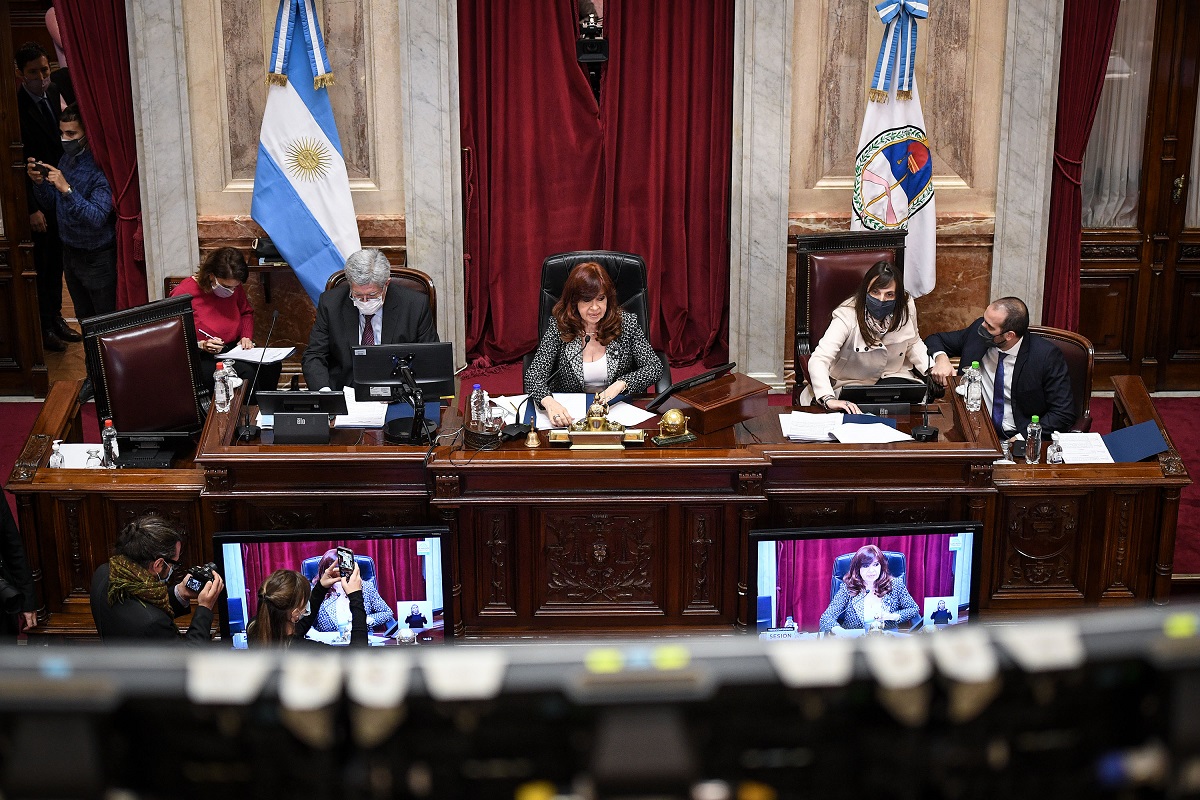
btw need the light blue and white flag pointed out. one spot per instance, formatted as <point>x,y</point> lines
<point>301,192</point>
<point>893,172</point>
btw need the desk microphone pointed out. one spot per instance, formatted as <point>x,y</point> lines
<point>922,432</point>
<point>246,430</point>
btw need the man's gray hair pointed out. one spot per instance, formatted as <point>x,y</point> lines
<point>368,266</point>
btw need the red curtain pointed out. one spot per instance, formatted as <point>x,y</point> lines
<point>804,569</point>
<point>647,171</point>
<point>667,118</point>
<point>398,574</point>
<point>1088,27</point>
<point>95,35</point>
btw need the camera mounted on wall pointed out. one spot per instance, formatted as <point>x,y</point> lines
<point>591,48</point>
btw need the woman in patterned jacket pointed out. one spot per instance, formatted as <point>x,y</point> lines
<point>590,345</point>
<point>868,592</point>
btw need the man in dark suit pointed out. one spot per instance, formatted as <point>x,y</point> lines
<point>131,599</point>
<point>362,311</point>
<point>38,106</point>
<point>1027,373</point>
<point>17,604</point>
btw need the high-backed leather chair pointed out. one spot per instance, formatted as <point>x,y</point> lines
<point>1081,360</point>
<point>628,273</point>
<point>143,367</point>
<point>897,568</point>
<point>366,567</point>
<point>829,267</point>
<point>401,276</point>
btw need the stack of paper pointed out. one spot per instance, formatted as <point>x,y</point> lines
<point>1084,448</point>
<point>800,426</point>
<point>872,433</point>
<point>268,355</point>
<point>368,414</point>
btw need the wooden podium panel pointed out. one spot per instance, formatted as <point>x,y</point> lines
<point>719,404</point>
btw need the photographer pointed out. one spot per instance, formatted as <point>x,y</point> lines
<point>131,599</point>
<point>17,604</point>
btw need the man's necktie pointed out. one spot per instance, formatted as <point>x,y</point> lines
<point>368,336</point>
<point>48,113</point>
<point>998,397</point>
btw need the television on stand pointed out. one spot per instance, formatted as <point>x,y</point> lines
<point>419,375</point>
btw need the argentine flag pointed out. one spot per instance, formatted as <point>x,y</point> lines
<point>301,192</point>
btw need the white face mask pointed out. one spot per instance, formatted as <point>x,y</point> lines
<point>368,306</point>
<point>221,291</point>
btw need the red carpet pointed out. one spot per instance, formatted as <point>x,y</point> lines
<point>1179,414</point>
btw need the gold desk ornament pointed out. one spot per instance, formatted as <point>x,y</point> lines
<point>597,432</point>
<point>673,429</point>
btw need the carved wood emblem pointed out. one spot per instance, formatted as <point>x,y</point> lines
<point>1171,463</point>
<point>31,456</point>
<point>702,556</point>
<point>749,483</point>
<point>216,480</point>
<point>1039,535</point>
<point>447,486</point>
<point>599,557</point>
<point>498,557</point>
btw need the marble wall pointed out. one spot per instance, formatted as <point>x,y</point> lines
<point>960,70</point>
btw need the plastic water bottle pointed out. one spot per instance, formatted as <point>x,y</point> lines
<point>221,388</point>
<point>1054,451</point>
<point>974,387</point>
<point>56,457</point>
<point>1033,441</point>
<point>479,408</point>
<point>108,441</point>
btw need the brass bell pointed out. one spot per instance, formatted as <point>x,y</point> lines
<point>532,439</point>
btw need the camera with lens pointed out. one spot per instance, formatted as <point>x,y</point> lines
<point>197,577</point>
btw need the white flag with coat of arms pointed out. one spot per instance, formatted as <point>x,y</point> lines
<point>893,172</point>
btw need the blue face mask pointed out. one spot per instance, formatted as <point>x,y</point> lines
<point>880,308</point>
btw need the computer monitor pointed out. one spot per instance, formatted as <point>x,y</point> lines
<point>403,567</point>
<point>798,573</point>
<point>298,402</point>
<point>883,393</point>
<point>377,370</point>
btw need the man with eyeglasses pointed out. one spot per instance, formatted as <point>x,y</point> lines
<point>132,599</point>
<point>1023,374</point>
<point>362,311</point>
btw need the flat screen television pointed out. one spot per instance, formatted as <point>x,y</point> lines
<point>377,370</point>
<point>404,584</point>
<point>930,576</point>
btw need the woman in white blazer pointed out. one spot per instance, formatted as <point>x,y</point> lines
<point>872,337</point>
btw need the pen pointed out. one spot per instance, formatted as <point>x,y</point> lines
<point>205,333</point>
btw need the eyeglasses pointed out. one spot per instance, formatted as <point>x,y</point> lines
<point>366,298</point>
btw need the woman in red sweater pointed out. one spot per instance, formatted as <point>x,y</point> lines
<point>223,315</point>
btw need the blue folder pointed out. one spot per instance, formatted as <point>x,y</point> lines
<point>433,411</point>
<point>867,419</point>
<point>1135,443</point>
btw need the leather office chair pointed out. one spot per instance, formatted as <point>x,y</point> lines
<point>401,276</point>
<point>829,267</point>
<point>143,367</point>
<point>628,273</point>
<point>897,568</point>
<point>366,566</point>
<point>1081,361</point>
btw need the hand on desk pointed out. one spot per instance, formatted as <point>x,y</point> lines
<point>941,369</point>
<point>842,405</point>
<point>247,343</point>
<point>559,417</point>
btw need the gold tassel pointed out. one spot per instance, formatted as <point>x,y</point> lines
<point>904,94</point>
<point>877,95</point>
<point>323,81</point>
<point>276,78</point>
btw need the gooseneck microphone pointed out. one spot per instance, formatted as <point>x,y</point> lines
<point>246,430</point>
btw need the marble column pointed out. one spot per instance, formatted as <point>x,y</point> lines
<point>1027,120</point>
<point>158,74</point>
<point>429,115</point>
<point>762,122</point>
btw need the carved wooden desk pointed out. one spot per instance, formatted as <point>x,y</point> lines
<point>554,540</point>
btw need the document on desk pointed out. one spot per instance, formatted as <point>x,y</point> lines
<point>574,402</point>
<point>369,414</point>
<point>507,404</point>
<point>874,433</point>
<point>269,355</point>
<point>1084,448</point>
<point>803,427</point>
<point>629,415</point>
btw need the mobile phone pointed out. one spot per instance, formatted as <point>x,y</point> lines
<point>345,558</point>
<point>44,169</point>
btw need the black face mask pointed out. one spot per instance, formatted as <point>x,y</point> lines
<point>986,336</point>
<point>880,308</point>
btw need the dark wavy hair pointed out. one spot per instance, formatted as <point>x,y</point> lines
<point>881,275</point>
<point>227,263</point>
<point>282,592</point>
<point>586,282</point>
<point>868,555</point>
